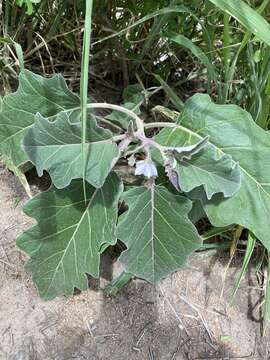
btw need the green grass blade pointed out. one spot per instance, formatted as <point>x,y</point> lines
<point>249,250</point>
<point>164,11</point>
<point>196,51</point>
<point>174,98</point>
<point>159,23</point>
<point>216,231</point>
<point>242,46</point>
<point>263,121</point>
<point>18,172</point>
<point>84,76</point>
<point>117,284</point>
<point>19,54</point>
<point>226,55</point>
<point>266,311</point>
<point>227,42</point>
<point>246,16</point>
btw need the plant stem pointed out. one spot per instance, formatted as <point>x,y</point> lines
<point>84,78</point>
<point>118,138</point>
<point>160,124</point>
<point>7,13</point>
<point>266,311</point>
<point>139,122</point>
<point>118,283</point>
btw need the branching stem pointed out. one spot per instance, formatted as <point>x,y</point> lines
<point>160,124</point>
<point>139,122</point>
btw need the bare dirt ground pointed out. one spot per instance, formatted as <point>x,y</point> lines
<point>183,317</point>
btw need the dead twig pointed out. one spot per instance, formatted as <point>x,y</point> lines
<point>181,324</point>
<point>201,317</point>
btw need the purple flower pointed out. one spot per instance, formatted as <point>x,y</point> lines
<point>146,167</point>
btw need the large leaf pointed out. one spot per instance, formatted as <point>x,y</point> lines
<point>66,242</point>
<point>232,131</point>
<point>157,232</point>
<point>34,94</point>
<point>57,147</point>
<point>212,169</point>
<point>248,17</point>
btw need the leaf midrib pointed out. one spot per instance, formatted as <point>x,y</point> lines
<point>154,191</point>
<point>71,239</point>
<point>105,141</point>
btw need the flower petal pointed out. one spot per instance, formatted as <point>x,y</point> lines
<point>146,168</point>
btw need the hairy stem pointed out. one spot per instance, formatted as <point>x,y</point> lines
<point>160,124</point>
<point>139,122</point>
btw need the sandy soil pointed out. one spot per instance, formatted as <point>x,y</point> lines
<point>183,317</point>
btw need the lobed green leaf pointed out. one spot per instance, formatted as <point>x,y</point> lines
<point>233,132</point>
<point>70,235</point>
<point>210,168</point>
<point>157,232</point>
<point>18,110</point>
<point>57,148</point>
